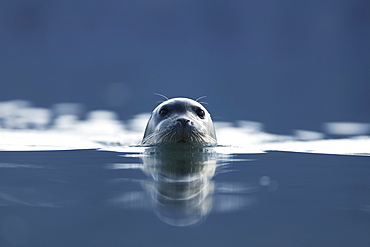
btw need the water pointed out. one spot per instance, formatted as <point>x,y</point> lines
<point>68,181</point>
<point>99,198</point>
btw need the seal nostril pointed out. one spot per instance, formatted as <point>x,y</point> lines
<point>183,121</point>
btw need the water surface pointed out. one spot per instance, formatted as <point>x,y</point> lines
<point>66,181</point>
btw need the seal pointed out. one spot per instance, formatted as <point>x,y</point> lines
<point>180,120</point>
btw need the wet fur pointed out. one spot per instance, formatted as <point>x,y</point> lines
<point>168,130</point>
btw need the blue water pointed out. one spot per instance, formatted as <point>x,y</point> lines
<point>105,198</point>
<point>72,181</point>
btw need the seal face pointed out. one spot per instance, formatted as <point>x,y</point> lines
<point>179,120</point>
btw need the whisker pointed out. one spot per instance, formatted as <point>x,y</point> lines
<point>201,97</point>
<point>162,96</point>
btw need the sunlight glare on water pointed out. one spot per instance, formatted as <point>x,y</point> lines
<point>64,126</point>
<point>347,128</point>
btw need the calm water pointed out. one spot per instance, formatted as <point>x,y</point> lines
<point>100,198</point>
<point>65,181</point>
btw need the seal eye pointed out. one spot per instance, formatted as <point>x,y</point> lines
<point>200,113</point>
<point>163,111</point>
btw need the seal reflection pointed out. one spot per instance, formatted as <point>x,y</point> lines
<point>182,185</point>
<point>180,189</point>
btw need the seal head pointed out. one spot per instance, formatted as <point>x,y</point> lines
<point>179,120</point>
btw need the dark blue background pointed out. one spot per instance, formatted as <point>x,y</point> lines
<point>288,64</point>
